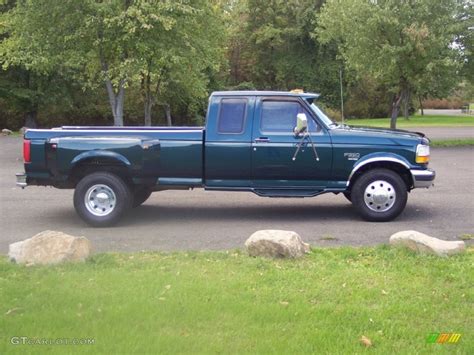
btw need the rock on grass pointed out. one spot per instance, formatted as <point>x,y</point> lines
<point>49,247</point>
<point>424,244</point>
<point>276,244</point>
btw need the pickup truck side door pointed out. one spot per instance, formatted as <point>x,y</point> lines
<point>228,141</point>
<point>274,145</point>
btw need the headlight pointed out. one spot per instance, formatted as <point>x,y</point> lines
<point>422,154</point>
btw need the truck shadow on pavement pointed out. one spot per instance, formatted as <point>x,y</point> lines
<point>153,214</point>
<point>156,215</point>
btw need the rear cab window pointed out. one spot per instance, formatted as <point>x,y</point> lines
<point>232,115</point>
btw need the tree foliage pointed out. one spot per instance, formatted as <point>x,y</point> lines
<point>271,46</point>
<point>399,43</point>
<point>115,42</point>
<point>155,61</point>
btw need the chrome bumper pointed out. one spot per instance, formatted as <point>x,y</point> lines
<point>21,180</point>
<point>423,178</point>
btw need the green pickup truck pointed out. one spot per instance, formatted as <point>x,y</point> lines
<point>275,144</point>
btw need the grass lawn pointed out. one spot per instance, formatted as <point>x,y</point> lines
<point>452,142</point>
<point>227,302</point>
<point>416,121</point>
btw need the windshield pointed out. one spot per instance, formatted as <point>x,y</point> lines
<point>322,116</point>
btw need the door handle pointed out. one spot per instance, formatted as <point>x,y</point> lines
<point>262,140</point>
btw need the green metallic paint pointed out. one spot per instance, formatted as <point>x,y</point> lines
<point>197,157</point>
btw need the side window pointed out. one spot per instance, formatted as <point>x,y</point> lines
<point>232,114</point>
<point>280,116</point>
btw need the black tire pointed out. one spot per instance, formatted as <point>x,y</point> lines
<point>348,196</point>
<point>140,196</point>
<point>110,192</point>
<point>389,197</point>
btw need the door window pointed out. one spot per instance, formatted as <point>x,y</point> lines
<point>280,116</point>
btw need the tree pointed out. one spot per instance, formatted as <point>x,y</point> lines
<point>22,86</point>
<point>25,91</point>
<point>116,43</point>
<point>177,49</point>
<point>85,39</point>
<point>465,38</point>
<point>271,46</point>
<point>400,43</point>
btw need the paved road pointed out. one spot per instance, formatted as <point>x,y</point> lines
<point>197,220</point>
<point>445,132</point>
<point>444,112</point>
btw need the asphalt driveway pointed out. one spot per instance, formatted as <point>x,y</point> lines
<point>199,220</point>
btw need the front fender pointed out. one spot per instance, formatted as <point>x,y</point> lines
<point>379,157</point>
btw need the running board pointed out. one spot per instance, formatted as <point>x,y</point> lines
<point>286,193</point>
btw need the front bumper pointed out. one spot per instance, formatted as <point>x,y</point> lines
<point>21,180</point>
<point>423,178</point>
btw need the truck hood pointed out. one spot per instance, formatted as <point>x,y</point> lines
<point>375,136</point>
<point>384,131</point>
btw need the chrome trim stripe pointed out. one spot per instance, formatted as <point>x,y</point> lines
<point>76,138</point>
<point>372,160</point>
<point>115,131</point>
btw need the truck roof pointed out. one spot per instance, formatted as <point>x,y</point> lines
<point>305,95</point>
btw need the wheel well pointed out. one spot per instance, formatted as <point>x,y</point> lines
<point>395,167</point>
<point>93,165</point>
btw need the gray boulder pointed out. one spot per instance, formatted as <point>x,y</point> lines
<point>6,132</point>
<point>424,244</point>
<point>276,244</point>
<point>49,247</point>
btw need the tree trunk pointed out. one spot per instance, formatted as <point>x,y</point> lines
<point>116,101</point>
<point>147,96</point>
<point>168,114</point>
<point>30,119</point>
<point>406,104</point>
<point>148,107</point>
<point>421,105</point>
<point>395,110</point>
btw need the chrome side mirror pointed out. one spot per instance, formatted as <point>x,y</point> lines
<point>301,124</point>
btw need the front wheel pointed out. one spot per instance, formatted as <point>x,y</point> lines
<point>101,198</point>
<point>379,195</point>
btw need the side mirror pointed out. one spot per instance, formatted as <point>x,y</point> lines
<point>301,124</point>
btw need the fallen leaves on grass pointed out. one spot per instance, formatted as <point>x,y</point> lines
<point>13,310</point>
<point>365,341</point>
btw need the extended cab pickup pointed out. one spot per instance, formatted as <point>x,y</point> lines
<point>275,144</point>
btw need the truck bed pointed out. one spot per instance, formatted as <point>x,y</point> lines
<point>172,155</point>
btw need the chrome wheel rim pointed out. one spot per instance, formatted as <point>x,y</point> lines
<point>100,200</point>
<point>380,196</point>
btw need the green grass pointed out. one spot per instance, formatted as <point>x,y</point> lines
<point>452,142</point>
<point>227,302</point>
<point>416,121</point>
<point>466,236</point>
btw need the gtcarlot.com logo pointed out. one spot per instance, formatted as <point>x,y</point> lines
<point>443,338</point>
<point>22,340</point>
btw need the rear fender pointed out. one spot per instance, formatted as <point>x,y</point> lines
<point>100,155</point>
